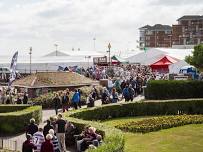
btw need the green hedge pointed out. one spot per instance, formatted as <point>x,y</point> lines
<point>158,123</point>
<point>172,89</point>
<point>15,122</point>
<point>12,108</point>
<point>150,108</point>
<point>113,138</point>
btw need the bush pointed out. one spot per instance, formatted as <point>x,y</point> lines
<point>173,107</point>
<point>172,89</point>
<point>15,122</point>
<point>158,123</point>
<point>46,100</point>
<point>12,108</point>
<point>113,138</point>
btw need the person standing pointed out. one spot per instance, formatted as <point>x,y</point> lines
<point>131,92</point>
<point>47,127</point>
<point>28,146</point>
<point>38,139</point>
<point>65,101</point>
<point>126,94</point>
<point>56,101</point>
<point>60,131</point>
<point>114,95</point>
<point>76,99</point>
<point>79,103</point>
<point>25,98</point>
<point>32,127</point>
<point>54,141</point>
<point>47,146</point>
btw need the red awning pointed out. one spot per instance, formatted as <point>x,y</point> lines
<point>162,64</point>
<point>166,60</point>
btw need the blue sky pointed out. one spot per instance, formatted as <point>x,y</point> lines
<point>74,23</point>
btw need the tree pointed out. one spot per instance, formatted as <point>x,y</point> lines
<point>197,57</point>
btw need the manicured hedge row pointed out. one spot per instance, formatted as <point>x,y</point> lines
<point>158,123</point>
<point>15,122</point>
<point>113,138</point>
<point>12,108</point>
<point>150,108</point>
<point>171,89</point>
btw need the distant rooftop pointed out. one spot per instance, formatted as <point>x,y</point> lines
<point>157,27</point>
<point>191,17</point>
<point>57,53</point>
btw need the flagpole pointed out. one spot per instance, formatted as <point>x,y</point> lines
<point>30,59</point>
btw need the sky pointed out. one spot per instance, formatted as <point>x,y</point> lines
<point>75,23</point>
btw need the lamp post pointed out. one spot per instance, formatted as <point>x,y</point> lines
<point>109,51</point>
<point>94,39</point>
<point>30,53</point>
<point>56,45</point>
<point>88,57</point>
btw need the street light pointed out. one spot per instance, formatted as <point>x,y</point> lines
<point>109,51</point>
<point>88,57</point>
<point>94,39</point>
<point>30,53</point>
<point>56,45</point>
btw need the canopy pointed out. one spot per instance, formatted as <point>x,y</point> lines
<point>175,68</point>
<point>116,59</point>
<point>162,65</point>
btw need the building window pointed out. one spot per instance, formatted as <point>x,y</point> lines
<point>167,32</point>
<point>147,37</point>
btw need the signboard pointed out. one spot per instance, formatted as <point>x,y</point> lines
<point>100,60</point>
<point>181,77</point>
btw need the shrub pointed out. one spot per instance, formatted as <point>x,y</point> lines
<point>15,122</point>
<point>158,123</point>
<point>173,107</point>
<point>172,89</point>
<point>12,108</point>
<point>113,138</point>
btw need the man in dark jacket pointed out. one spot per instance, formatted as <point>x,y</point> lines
<point>28,146</point>
<point>32,127</point>
<point>47,127</point>
<point>56,102</point>
<point>25,98</point>
<point>65,101</point>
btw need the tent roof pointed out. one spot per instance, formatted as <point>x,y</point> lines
<point>166,60</point>
<point>175,68</point>
<point>52,79</point>
<point>56,53</point>
<point>119,59</point>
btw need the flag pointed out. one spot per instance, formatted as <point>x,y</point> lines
<point>13,68</point>
<point>145,49</point>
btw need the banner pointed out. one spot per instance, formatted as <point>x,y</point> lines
<point>13,68</point>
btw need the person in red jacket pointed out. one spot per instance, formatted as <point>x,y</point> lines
<point>28,146</point>
<point>47,146</point>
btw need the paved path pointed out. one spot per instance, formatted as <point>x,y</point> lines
<point>46,114</point>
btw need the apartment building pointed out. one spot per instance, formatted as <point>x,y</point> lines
<point>155,36</point>
<point>188,31</point>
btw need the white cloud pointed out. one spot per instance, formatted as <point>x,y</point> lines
<point>74,23</point>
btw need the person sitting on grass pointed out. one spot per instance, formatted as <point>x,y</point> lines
<point>28,146</point>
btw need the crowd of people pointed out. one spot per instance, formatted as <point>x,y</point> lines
<point>8,96</point>
<point>53,137</point>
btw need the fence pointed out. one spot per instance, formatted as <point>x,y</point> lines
<point>9,144</point>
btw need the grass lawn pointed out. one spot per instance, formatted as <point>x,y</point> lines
<point>188,138</point>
